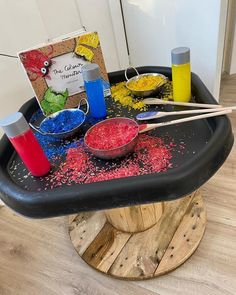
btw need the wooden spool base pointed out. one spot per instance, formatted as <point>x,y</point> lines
<point>141,255</point>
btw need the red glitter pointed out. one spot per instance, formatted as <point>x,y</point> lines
<point>111,134</point>
<point>151,155</point>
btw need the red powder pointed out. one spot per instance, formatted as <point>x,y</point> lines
<point>111,134</point>
<point>151,155</point>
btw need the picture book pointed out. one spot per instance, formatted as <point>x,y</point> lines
<point>54,70</point>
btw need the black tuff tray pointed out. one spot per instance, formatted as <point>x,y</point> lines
<point>208,143</point>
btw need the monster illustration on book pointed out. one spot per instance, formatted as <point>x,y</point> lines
<point>36,63</point>
<point>91,40</point>
<point>54,101</point>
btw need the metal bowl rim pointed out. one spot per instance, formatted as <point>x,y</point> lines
<point>110,119</point>
<point>143,75</point>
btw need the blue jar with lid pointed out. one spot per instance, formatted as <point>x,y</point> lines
<point>94,90</point>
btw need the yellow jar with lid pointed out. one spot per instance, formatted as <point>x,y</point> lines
<point>181,74</point>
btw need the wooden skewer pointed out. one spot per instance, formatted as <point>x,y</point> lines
<point>188,104</point>
<point>147,127</point>
<point>154,115</point>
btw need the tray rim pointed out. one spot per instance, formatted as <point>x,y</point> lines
<point>84,197</point>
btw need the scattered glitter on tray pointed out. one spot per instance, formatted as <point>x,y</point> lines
<point>151,155</point>
<point>166,91</point>
<point>122,96</point>
<point>72,164</point>
<point>53,147</point>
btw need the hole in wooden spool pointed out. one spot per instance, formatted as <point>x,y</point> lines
<point>187,240</point>
<point>126,258</point>
<point>196,203</point>
<point>71,227</point>
<point>112,253</point>
<point>194,227</point>
<point>184,235</point>
<point>192,215</point>
<point>172,247</point>
<point>84,231</point>
<point>171,255</point>
<point>121,265</point>
<point>81,238</point>
<point>198,215</point>
<point>156,251</point>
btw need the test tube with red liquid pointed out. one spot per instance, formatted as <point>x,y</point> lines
<point>25,143</point>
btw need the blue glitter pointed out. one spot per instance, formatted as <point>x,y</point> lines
<point>63,122</point>
<point>54,147</point>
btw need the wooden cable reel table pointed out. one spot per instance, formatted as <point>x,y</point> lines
<point>140,242</point>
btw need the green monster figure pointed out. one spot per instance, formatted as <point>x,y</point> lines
<point>54,101</point>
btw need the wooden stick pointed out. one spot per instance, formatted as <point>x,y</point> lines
<point>200,111</point>
<point>147,127</point>
<point>187,112</point>
<point>188,104</point>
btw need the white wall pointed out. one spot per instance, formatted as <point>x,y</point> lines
<point>20,27</point>
<point>154,27</point>
<point>26,23</point>
<point>95,15</point>
<point>59,16</point>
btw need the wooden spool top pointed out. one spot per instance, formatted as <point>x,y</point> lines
<point>135,256</point>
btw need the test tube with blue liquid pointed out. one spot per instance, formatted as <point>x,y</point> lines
<point>94,90</point>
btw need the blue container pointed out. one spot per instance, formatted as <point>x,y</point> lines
<point>94,90</point>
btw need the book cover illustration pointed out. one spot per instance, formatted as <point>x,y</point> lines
<point>55,74</point>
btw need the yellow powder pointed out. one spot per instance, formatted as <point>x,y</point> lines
<point>121,94</point>
<point>145,83</point>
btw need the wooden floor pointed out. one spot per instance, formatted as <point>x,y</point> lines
<point>37,257</point>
